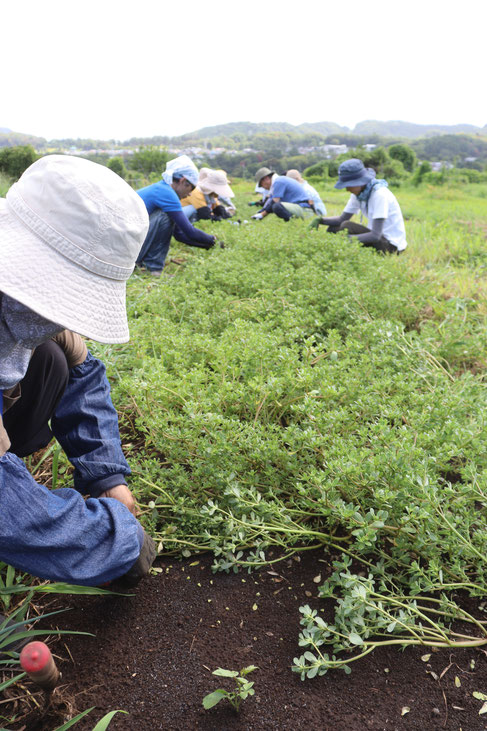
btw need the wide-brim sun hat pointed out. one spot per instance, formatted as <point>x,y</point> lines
<point>262,173</point>
<point>353,172</point>
<point>216,182</point>
<point>203,174</point>
<point>70,232</point>
<point>295,175</point>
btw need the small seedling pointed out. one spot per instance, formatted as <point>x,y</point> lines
<point>242,690</point>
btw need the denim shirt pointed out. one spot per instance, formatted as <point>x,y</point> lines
<point>85,424</point>
<point>56,534</point>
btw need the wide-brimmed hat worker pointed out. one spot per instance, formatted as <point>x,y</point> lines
<point>70,231</point>
<point>211,199</point>
<point>163,203</point>
<point>371,197</point>
<point>313,195</point>
<point>287,197</point>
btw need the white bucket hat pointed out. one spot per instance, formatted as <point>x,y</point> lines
<point>216,182</point>
<point>70,232</point>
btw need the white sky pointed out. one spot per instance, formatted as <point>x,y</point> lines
<point>116,69</point>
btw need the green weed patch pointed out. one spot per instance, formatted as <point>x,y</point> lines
<point>294,391</point>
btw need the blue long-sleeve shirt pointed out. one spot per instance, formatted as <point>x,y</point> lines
<point>161,195</point>
<point>57,534</point>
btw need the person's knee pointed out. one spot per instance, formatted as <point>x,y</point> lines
<point>281,211</point>
<point>49,357</point>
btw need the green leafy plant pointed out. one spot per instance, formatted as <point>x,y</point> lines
<point>102,724</point>
<point>242,690</point>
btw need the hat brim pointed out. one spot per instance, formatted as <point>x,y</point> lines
<point>367,175</point>
<point>219,189</point>
<point>50,284</point>
<point>266,175</point>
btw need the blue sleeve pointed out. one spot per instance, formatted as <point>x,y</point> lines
<point>188,234</point>
<point>57,535</point>
<point>85,423</point>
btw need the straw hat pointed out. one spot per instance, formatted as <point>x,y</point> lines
<point>70,232</point>
<point>216,182</point>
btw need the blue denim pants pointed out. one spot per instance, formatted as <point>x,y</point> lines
<point>156,245</point>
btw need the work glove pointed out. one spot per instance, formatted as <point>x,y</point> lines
<point>253,203</point>
<point>257,217</point>
<point>315,223</point>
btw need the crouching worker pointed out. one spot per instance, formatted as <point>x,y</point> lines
<point>210,200</point>
<point>70,231</point>
<point>287,197</point>
<point>370,196</point>
<point>163,203</point>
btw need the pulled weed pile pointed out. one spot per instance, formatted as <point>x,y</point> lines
<point>296,391</point>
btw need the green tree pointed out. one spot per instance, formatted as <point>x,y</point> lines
<point>420,172</point>
<point>117,165</point>
<point>404,154</point>
<point>14,160</point>
<point>149,160</point>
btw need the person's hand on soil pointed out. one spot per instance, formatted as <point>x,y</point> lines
<point>123,494</point>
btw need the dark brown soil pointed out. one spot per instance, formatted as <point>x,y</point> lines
<point>154,652</point>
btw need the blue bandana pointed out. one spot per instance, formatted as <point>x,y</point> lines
<point>371,186</point>
<point>21,330</point>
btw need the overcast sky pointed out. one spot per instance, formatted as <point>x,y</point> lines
<point>116,69</point>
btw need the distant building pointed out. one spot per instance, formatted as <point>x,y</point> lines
<point>438,165</point>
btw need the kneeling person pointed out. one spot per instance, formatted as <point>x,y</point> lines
<point>386,231</point>
<point>166,217</point>
<point>82,226</point>
<point>287,197</point>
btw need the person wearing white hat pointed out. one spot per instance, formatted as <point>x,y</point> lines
<point>70,231</point>
<point>313,195</point>
<point>166,217</point>
<point>211,199</point>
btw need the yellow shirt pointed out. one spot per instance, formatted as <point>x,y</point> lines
<point>196,199</point>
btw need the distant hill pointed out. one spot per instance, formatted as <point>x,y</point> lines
<point>413,131</point>
<point>254,128</point>
<point>369,127</point>
<point>243,128</point>
<point>8,138</point>
<point>324,128</point>
<point>367,131</point>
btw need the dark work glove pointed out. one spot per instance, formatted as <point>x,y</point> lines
<point>254,203</point>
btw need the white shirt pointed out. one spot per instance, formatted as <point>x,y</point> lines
<point>382,204</point>
<point>315,197</point>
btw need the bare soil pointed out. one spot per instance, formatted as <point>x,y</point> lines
<point>153,653</point>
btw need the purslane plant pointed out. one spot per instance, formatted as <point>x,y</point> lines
<point>243,688</point>
<point>289,395</point>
